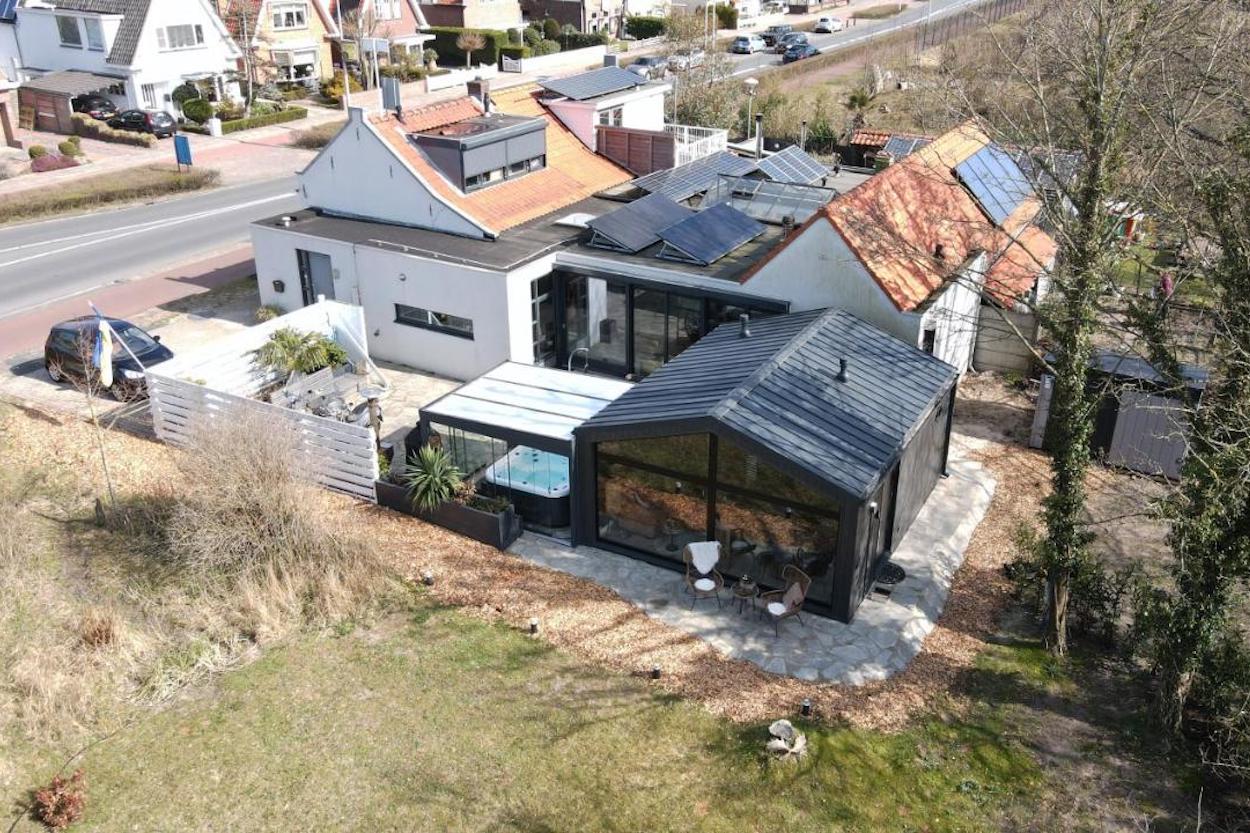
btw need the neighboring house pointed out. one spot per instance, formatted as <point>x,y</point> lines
<point>917,248</point>
<point>608,98</point>
<point>583,15</point>
<point>474,14</point>
<point>398,22</point>
<point>286,40</point>
<point>135,51</point>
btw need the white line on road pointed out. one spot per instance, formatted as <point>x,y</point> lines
<point>128,231</point>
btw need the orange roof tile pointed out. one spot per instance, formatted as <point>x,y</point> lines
<point>572,172</point>
<point>874,138</point>
<point>1016,270</point>
<point>431,116</point>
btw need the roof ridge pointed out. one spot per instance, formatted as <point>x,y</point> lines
<point>801,338</point>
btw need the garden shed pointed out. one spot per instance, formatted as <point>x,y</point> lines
<point>811,439</point>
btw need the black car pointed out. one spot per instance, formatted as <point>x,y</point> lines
<point>799,51</point>
<point>157,122</point>
<point>788,40</point>
<point>775,32</point>
<point>69,350</point>
<point>96,106</point>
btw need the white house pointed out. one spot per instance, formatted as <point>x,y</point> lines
<point>137,51</point>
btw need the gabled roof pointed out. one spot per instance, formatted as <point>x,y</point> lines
<point>134,16</point>
<point>1014,271</point>
<point>778,392</point>
<point>235,12</point>
<point>870,138</point>
<point>572,172</point>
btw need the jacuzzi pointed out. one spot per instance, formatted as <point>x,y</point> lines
<point>536,481</point>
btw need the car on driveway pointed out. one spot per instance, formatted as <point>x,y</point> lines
<point>157,122</point>
<point>686,59</point>
<point>828,25</point>
<point>747,45</point>
<point>67,354</point>
<point>775,32</point>
<point>786,41</point>
<point>798,51</point>
<point>96,106</point>
<point>651,66</point>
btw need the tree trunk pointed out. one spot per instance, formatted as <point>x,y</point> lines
<point>1058,592</point>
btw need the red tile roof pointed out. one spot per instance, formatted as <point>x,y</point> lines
<point>1013,274</point>
<point>440,114</point>
<point>872,138</point>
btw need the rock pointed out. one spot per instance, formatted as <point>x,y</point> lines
<point>782,729</point>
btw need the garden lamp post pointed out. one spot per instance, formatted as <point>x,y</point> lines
<point>750,85</point>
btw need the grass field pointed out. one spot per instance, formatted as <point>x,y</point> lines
<point>105,189</point>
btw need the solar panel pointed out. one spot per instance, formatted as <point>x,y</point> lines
<point>684,181</point>
<point>900,147</point>
<point>7,9</point>
<point>793,164</point>
<point>709,235</point>
<point>995,181</point>
<point>594,83</point>
<point>767,201</point>
<point>636,226</point>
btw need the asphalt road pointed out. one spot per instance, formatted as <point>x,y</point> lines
<point>45,261</point>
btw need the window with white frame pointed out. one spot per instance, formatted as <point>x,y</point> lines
<point>612,117</point>
<point>67,28</point>
<point>148,93</point>
<point>186,36</point>
<point>295,66</point>
<point>290,15</point>
<point>387,9</point>
<point>95,33</point>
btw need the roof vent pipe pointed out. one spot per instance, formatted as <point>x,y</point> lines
<point>787,223</point>
<point>842,377</point>
<point>744,326</point>
<point>285,222</point>
<point>759,135</point>
<point>803,135</point>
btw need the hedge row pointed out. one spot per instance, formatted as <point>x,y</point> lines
<point>84,125</point>
<point>726,16</point>
<point>445,43</point>
<point>581,40</point>
<point>289,114</point>
<point>643,26</point>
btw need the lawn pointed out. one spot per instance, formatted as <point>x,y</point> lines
<point>90,192</point>
<point>432,720</point>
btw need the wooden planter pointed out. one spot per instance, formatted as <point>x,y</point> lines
<point>499,529</point>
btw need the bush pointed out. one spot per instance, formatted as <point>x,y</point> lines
<point>551,29</point>
<point>547,47</point>
<point>291,351</point>
<point>269,90</point>
<point>52,162</point>
<point>84,125</point>
<point>516,37</point>
<point>645,26</point>
<point>315,138</point>
<point>332,88</point>
<point>36,151</point>
<point>515,52</point>
<point>432,478</point>
<point>582,40</point>
<point>533,35</point>
<point>93,191</point>
<point>267,312</point>
<point>69,148</point>
<point>726,16</point>
<point>183,93</point>
<point>230,110</point>
<point>445,38</point>
<point>263,108</point>
<point>62,802</point>
<point>280,117</point>
<point>197,110</point>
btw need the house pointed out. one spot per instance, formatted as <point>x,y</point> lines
<point>133,51</point>
<point>474,14</point>
<point>397,22</point>
<point>282,40</point>
<point>918,247</point>
<point>583,15</point>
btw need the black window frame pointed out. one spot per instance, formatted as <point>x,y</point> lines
<point>429,321</point>
<point>61,19</point>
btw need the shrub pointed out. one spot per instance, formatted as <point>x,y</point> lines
<point>516,37</point>
<point>515,52</point>
<point>267,312</point>
<point>726,16</point>
<point>547,47</point>
<point>533,35</point>
<point>315,138</point>
<point>36,151</point>
<point>198,110</point>
<point>230,110</point>
<point>97,629</point>
<point>183,93</point>
<point>445,38</point>
<point>281,116</point>
<point>61,803</point>
<point>582,40</point>
<point>263,108</point>
<point>432,478</point>
<point>69,148</point>
<point>332,88</point>
<point>84,125</point>
<point>289,350</point>
<point>645,26</point>
<point>269,90</point>
<point>551,29</point>
<point>52,162</point>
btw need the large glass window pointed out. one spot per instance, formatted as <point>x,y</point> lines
<point>595,323</point>
<point>683,454</point>
<point>543,320</point>
<point>685,323</point>
<point>650,330</point>
<point>649,511</point>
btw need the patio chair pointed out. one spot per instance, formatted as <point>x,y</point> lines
<point>703,580</point>
<point>782,604</point>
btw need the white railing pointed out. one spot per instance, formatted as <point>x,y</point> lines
<point>693,142</point>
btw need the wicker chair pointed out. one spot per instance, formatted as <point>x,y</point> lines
<point>702,585</point>
<point>782,604</point>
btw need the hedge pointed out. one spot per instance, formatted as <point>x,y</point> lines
<point>289,114</point>
<point>581,40</point>
<point>515,52</point>
<point>84,125</point>
<point>445,43</point>
<point>726,16</point>
<point>643,26</point>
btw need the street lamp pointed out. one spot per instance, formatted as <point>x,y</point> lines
<point>749,85</point>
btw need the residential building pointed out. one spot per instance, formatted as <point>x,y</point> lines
<point>134,51</point>
<point>583,15</point>
<point>474,14</point>
<point>917,248</point>
<point>396,22</point>
<point>283,40</point>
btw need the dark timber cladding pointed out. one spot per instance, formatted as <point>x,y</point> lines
<point>825,398</point>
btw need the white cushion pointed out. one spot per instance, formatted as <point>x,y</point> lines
<point>704,555</point>
<point>776,608</point>
<point>793,596</point>
<point>705,585</point>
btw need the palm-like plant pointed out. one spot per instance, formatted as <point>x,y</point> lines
<point>289,350</point>
<point>432,478</point>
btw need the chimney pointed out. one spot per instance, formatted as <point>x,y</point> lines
<point>744,326</point>
<point>759,135</point>
<point>939,251</point>
<point>611,60</point>
<point>479,88</point>
<point>787,224</point>
<point>842,377</point>
<point>803,135</point>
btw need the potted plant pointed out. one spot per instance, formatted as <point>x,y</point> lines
<point>288,350</point>
<point>431,60</point>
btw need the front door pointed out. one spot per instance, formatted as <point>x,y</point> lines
<point>316,277</point>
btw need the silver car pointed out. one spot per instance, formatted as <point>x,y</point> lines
<point>686,59</point>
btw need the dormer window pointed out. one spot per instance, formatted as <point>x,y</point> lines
<point>95,33</point>
<point>67,28</point>
<point>290,15</point>
<point>486,150</point>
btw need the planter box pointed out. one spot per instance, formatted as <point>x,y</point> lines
<point>499,529</point>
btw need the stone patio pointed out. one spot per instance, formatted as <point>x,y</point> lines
<point>887,632</point>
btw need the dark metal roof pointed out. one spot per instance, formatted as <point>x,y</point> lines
<point>778,391</point>
<point>71,82</point>
<point>8,10</point>
<point>1126,366</point>
<point>594,83</point>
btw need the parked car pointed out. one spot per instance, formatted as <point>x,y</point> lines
<point>773,7</point>
<point>651,66</point>
<point>747,45</point>
<point>786,41</point>
<point>799,51</point>
<point>828,25</point>
<point>96,106</point>
<point>775,32</point>
<point>67,354</point>
<point>687,59</point>
<point>157,122</point>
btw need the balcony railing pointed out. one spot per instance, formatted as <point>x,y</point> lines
<point>694,142</point>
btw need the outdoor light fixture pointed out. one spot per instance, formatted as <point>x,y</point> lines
<point>533,625</point>
<point>279,286</point>
<point>807,708</point>
<point>427,578</point>
<point>402,276</point>
<point>655,672</point>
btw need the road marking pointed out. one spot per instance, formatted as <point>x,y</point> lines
<point>128,231</point>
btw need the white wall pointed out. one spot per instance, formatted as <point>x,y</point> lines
<point>40,42</point>
<point>275,252</point>
<point>10,56</point>
<point>356,175</point>
<point>166,69</point>
<point>643,110</point>
<point>954,314</point>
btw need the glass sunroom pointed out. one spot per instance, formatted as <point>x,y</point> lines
<point>809,440</point>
